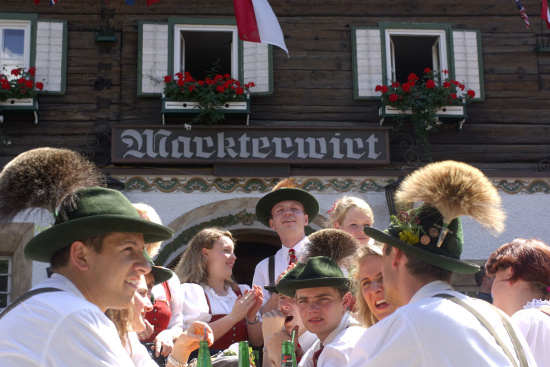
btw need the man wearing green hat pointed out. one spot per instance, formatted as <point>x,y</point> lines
<point>95,248</point>
<point>435,325</point>
<point>322,294</point>
<point>287,210</point>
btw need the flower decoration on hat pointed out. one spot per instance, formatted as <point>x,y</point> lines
<point>409,225</point>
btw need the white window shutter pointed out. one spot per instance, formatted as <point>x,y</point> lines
<point>51,43</point>
<point>467,60</point>
<point>256,67</point>
<point>154,58</point>
<point>367,63</point>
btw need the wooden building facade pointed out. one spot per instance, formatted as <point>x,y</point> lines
<point>338,53</point>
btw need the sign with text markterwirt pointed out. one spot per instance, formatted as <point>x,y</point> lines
<point>167,145</point>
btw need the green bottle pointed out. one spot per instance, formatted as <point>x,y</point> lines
<point>203,360</point>
<point>288,354</point>
<point>244,357</point>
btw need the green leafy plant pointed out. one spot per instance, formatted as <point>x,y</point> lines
<point>210,93</point>
<point>19,84</point>
<point>421,98</point>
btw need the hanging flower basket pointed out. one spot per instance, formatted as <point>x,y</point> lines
<point>189,108</point>
<point>449,114</point>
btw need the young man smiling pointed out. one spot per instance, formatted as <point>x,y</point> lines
<point>322,295</point>
<point>287,210</point>
<point>95,248</point>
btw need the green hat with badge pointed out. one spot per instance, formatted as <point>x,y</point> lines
<point>433,232</point>
<point>320,271</point>
<point>286,190</point>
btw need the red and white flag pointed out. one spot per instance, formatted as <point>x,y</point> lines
<point>256,22</point>
<point>545,14</point>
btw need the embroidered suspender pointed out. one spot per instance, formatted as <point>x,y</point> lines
<point>26,296</point>
<point>515,341</point>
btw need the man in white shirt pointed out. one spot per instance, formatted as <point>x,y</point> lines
<point>287,210</point>
<point>435,325</point>
<point>95,248</point>
<point>322,295</point>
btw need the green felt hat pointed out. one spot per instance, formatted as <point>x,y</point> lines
<point>160,273</point>
<point>264,206</point>
<point>416,233</point>
<point>98,211</point>
<point>320,271</point>
<point>291,274</point>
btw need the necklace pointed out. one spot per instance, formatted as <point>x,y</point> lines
<point>223,293</point>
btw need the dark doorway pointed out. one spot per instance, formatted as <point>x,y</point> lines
<point>250,250</point>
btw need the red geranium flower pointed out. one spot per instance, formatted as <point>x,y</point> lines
<point>396,85</point>
<point>378,88</point>
<point>447,84</point>
<point>15,72</point>
<point>453,95</point>
<point>180,82</point>
<point>167,79</point>
<point>384,89</point>
<point>220,89</point>
<point>393,97</point>
<point>430,84</point>
<point>471,93</point>
<point>427,70</point>
<point>406,87</point>
<point>29,84</point>
<point>39,86</point>
<point>32,71</point>
<point>239,91</point>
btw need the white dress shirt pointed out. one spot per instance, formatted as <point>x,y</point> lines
<point>535,327</point>
<point>337,345</point>
<point>432,331</point>
<point>138,352</point>
<point>282,259</point>
<point>59,329</point>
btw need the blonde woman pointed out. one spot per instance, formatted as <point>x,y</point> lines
<point>371,305</point>
<point>164,322</point>
<point>212,296</point>
<point>351,214</point>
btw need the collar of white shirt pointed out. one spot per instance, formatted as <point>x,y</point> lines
<point>430,290</point>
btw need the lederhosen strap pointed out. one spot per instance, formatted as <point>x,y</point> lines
<point>515,341</point>
<point>271,269</point>
<point>26,296</point>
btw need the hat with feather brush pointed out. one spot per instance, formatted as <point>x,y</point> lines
<point>69,187</point>
<point>433,231</point>
<point>286,189</point>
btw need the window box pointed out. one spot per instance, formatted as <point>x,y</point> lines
<point>170,107</point>
<point>447,114</point>
<point>20,106</point>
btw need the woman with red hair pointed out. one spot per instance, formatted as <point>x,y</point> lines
<point>522,290</point>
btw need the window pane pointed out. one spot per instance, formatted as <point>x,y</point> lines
<point>203,49</point>
<point>14,42</point>
<point>3,283</point>
<point>3,300</point>
<point>4,266</point>
<point>413,54</point>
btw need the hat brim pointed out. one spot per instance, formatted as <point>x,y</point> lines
<point>271,288</point>
<point>45,244</point>
<point>161,274</point>
<point>265,204</point>
<point>444,262</point>
<point>290,287</point>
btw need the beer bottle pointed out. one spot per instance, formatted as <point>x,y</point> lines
<point>203,360</point>
<point>244,357</point>
<point>288,357</point>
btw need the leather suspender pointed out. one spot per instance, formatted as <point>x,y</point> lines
<point>271,270</point>
<point>515,341</point>
<point>26,296</point>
